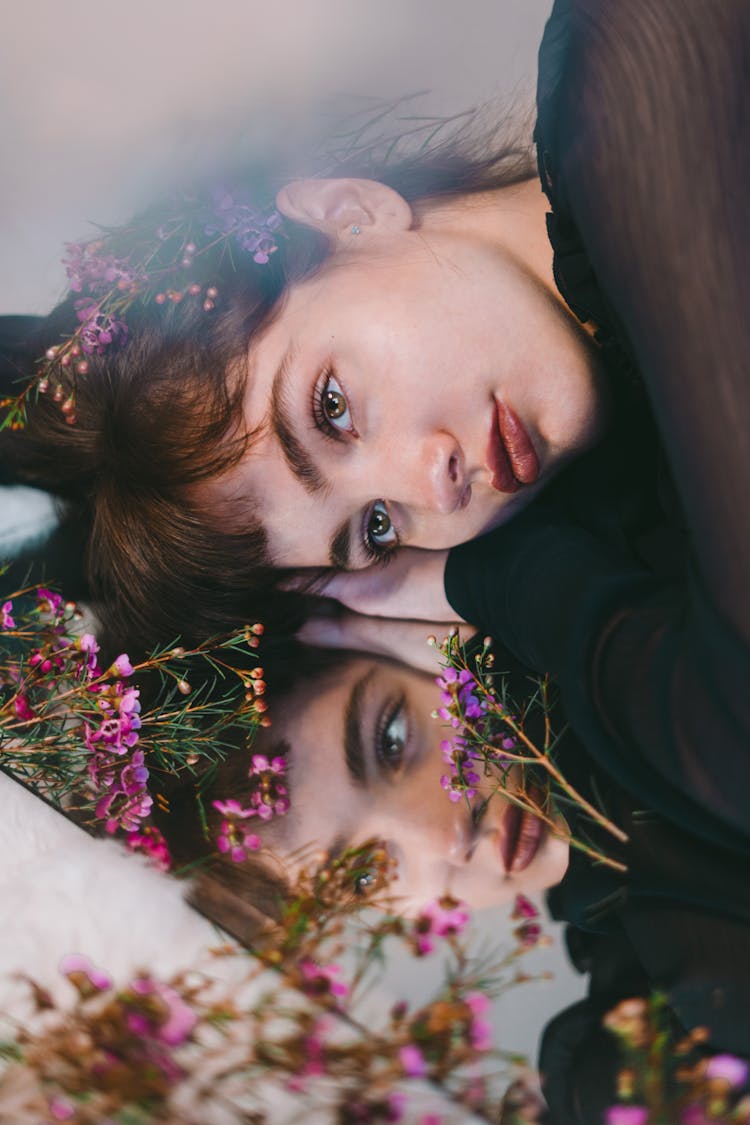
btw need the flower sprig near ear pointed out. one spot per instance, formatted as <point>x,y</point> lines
<point>154,266</point>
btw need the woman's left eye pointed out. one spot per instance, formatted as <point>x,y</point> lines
<point>392,737</point>
<point>333,408</point>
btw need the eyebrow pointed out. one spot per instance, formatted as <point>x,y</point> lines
<point>354,750</point>
<point>301,463</point>
<point>340,553</point>
<point>297,457</point>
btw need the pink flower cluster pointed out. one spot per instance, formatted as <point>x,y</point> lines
<point>317,980</point>
<point>480,1029</point>
<point>6,621</point>
<point>235,838</point>
<point>155,1014</point>
<point>151,843</point>
<point>460,702</point>
<point>117,770</point>
<point>173,1021</point>
<point>254,229</point>
<point>445,917</point>
<point>98,329</point>
<point>529,933</point>
<point>87,267</point>
<point>268,798</point>
<point>315,1060</point>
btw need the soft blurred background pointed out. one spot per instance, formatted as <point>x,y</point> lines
<point>103,103</point>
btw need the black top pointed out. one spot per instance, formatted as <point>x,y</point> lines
<point>634,593</point>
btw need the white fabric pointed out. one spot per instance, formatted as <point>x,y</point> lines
<point>64,892</point>
<point>26,514</point>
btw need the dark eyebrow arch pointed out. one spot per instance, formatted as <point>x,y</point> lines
<point>354,751</point>
<point>297,457</point>
<point>340,553</point>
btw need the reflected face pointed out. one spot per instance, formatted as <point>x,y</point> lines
<point>366,763</point>
<point>417,391</point>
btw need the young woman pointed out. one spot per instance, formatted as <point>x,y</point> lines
<point>628,579</point>
<point>414,375</point>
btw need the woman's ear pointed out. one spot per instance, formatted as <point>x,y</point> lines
<point>345,208</point>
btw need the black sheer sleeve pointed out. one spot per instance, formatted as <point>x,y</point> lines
<point>653,138</point>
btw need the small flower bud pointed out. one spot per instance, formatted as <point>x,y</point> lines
<point>184,687</point>
<point>160,298</point>
<point>192,759</point>
<point>59,394</point>
<point>258,629</point>
<point>43,386</point>
<point>178,651</point>
<point>51,352</point>
<point>75,350</point>
<point>186,263</point>
<point>68,406</point>
<point>194,289</point>
<point>265,721</point>
<point>190,248</point>
<point>212,292</point>
<point>261,705</point>
<point>65,361</point>
<point>208,306</point>
<point>82,368</point>
<point>71,419</point>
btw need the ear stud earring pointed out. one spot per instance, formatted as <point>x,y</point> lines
<point>356,230</point>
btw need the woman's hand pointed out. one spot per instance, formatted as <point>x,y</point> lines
<point>410,587</point>
<point>405,641</point>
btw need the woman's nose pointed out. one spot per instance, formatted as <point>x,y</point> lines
<point>434,473</point>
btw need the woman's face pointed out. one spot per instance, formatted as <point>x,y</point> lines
<point>418,390</point>
<point>366,763</point>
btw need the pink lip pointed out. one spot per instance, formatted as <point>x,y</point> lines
<point>522,836</point>
<point>511,457</point>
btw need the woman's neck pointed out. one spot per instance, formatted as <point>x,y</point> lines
<point>512,218</point>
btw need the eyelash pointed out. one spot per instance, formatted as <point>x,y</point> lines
<point>375,552</point>
<point>386,717</point>
<point>322,423</point>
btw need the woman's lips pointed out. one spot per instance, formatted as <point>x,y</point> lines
<point>511,457</point>
<point>522,836</point>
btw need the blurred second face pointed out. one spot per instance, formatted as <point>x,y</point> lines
<point>366,763</point>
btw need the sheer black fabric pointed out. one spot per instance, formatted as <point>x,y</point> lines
<point>644,146</point>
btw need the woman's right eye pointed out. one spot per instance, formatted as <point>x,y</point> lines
<point>381,537</point>
<point>332,407</point>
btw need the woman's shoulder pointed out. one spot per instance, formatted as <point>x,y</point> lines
<point>573,272</point>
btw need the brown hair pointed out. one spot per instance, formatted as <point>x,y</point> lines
<point>244,898</point>
<point>164,413</point>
